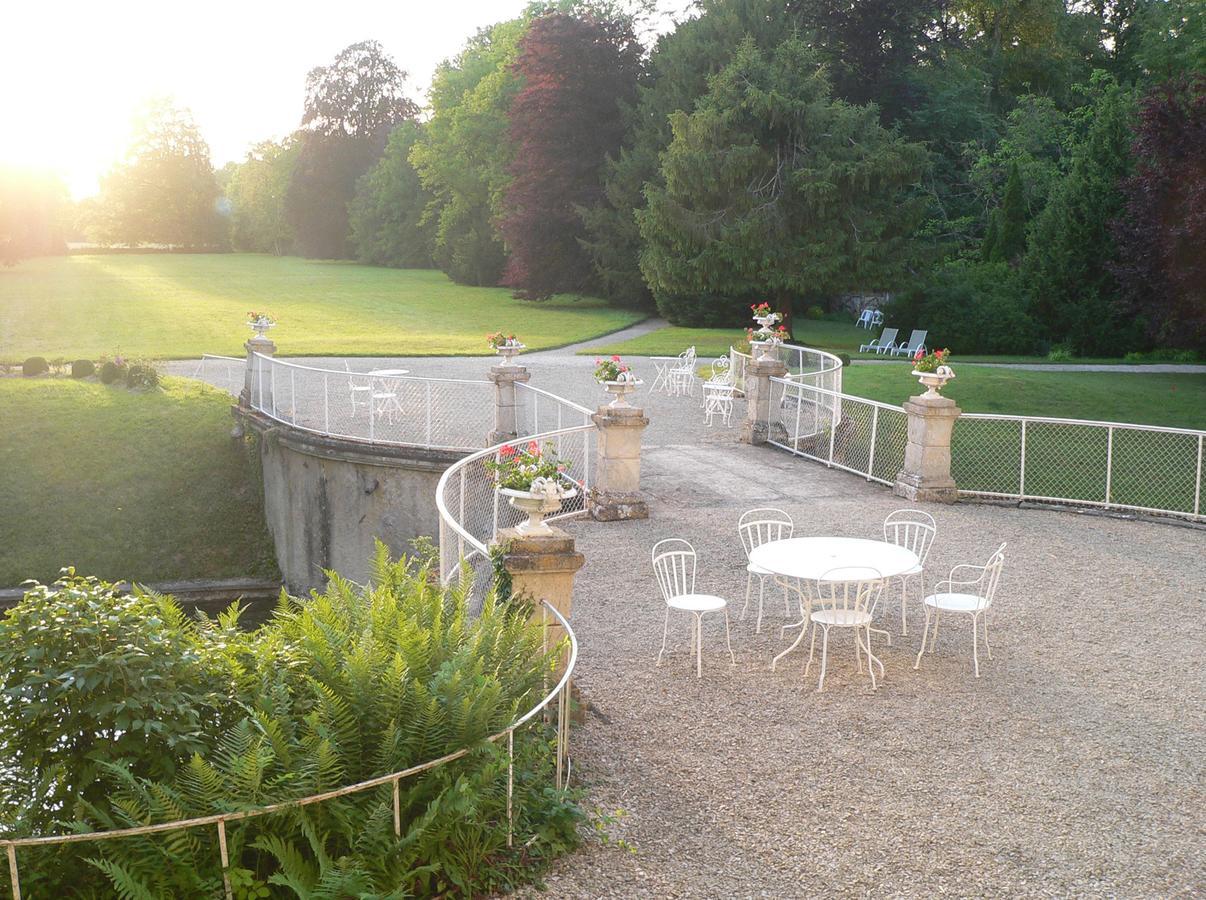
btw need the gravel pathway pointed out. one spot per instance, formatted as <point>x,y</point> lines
<point>1073,766</point>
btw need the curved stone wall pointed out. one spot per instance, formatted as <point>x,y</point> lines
<point>327,500</point>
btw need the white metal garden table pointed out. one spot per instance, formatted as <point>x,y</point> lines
<point>805,560</point>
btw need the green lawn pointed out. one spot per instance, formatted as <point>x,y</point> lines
<point>144,486</point>
<point>178,306</point>
<point>836,336</point>
<point>1178,401</point>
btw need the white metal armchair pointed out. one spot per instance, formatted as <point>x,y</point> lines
<point>757,527</point>
<point>914,530</point>
<point>969,590</point>
<point>674,567</point>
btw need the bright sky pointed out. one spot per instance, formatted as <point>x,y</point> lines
<point>74,72</point>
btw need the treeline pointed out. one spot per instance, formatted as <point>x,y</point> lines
<point>1020,175</point>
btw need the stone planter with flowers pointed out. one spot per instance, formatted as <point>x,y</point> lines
<point>617,379</point>
<point>932,371</point>
<point>534,481</point>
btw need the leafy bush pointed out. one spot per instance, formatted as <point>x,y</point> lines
<point>336,689</point>
<point>845,358</point>
<point>110,372</point>
<point>1164,355</point>
<point>82,368</point>
<point>89,676</point>
<point>35,365</point>
<point>814,312</point>
<point>976,307</point>
<point>1061,353</point>
<point>142,376</point>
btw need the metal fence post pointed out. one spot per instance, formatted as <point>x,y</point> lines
<point>1197,488</point>
<point>1109,462</point>
<point>326,402</point>
<point>1022,471</point>
<point>874,431</point>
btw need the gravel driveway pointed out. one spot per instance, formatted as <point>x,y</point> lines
<point>1073,766</point>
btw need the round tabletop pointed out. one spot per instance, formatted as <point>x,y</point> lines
<point>389,373</point>
<point>809,558</point>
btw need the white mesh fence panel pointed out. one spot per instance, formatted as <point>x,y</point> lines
<point>392,409</point>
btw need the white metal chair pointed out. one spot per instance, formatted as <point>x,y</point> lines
<point>757,527</point>
<point>915,530</point>
<point>885,342</point>
<point>661,368</point>
<point>915,342</point>
<point>682,374</point>
<point>360,389</point>
<point>674,567</point>
<point>869,318</point>
<point>845,598</point>
<point>971,595</point>
<point>718,393</point>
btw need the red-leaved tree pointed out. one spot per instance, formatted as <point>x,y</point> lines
<point>1161,236</point>
<point>564,122</point>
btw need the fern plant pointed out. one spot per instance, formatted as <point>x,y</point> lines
<point>337,688</point>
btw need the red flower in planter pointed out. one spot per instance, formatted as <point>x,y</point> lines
<point>506,451</point>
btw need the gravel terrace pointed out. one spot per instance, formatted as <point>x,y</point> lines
<point>1073,766</point>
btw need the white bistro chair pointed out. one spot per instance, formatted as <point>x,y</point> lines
<point>971,594</point>
<point>360,389</point>
<point>674,566</point>
<point>845,598</point>
<point>914,530</point>
<point>682,374</point>
<point>718,393</point>
<point>757,527</point>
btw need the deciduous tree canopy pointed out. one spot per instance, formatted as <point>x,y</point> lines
<point>576,74</point>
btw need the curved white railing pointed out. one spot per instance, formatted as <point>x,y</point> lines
<point>560,693</point>
<point>818,368</point>
<point>439,413</point>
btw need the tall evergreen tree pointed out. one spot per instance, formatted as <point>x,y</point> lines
<point>676,77</point>
<point>773,189</point>
<point>1006,240</point>
<point>576,73</point>
<point>1067,263</point>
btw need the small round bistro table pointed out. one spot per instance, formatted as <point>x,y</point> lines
<point>809,559</point>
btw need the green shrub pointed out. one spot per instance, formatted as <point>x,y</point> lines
<point>142,376</point>
<point>814,312</point>
<point>89,676</point>
<point>971,307</point>
<point>109,372</point>
<point>1061,353</point>
<point>35,365</point>
<point>82,368</point>
<point>335,689</point>
<point>1164,355</point>
<point>845,358</point>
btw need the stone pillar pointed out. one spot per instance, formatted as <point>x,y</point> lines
<point>927,466</point>
<point>258,343</point>
<point>758,372</point>
<point>263,345</point>
<point>542,568</point>
<point>506,425</point>
<point>616,493</point>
